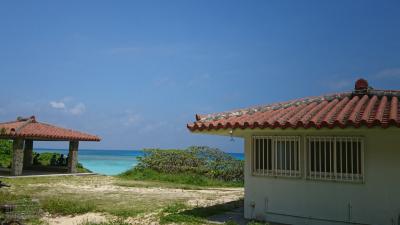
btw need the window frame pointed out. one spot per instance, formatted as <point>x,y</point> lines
<point>296,172</point>
<point>335,175</point>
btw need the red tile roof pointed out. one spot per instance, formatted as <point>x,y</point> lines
<point>362,107</point>
<point>29,128</point>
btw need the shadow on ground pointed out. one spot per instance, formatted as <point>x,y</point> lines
<point>235,215</point>
<point>229,213</point>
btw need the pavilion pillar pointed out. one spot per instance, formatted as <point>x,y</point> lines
<point>28,153</point>
<point>18,157</point>
<point>73,156</point>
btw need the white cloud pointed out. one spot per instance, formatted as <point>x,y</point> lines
<point>77,109</point>
<point>63,105</point>
<point>57,105</point>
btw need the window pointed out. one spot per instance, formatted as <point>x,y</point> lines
<point>276,156</point>
<point>335,158</point>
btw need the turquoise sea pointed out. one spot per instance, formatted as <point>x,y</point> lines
<point>110,162</point>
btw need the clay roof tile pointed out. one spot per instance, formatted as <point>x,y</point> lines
<point>363,106</point>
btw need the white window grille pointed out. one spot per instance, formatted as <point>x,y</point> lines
<point>335,158</point>
<point>276,156</point>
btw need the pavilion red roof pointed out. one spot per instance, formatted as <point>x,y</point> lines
<point>29,128</point>
<point>362,107</point>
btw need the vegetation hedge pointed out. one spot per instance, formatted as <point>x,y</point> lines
<point>201,160</point>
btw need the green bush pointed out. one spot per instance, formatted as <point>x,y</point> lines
<point>196,164</point>
<point>5,153</point>
<point>170,161</point>
<point>45,159</point>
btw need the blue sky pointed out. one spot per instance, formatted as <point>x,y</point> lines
<point>135,72</point>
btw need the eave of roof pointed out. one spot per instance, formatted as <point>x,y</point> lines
<point>362,107</point>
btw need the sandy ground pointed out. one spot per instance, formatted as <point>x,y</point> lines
<point>107,186</point>
<point>76,220</point>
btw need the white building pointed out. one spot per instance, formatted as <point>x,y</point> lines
<point>332,159</point>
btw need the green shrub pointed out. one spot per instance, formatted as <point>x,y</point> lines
<point>5,153</point>
<point>196,160</point>
<point>46,158</point>
<point>170,161</point>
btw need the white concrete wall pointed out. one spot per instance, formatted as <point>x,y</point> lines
<point>376,201</point>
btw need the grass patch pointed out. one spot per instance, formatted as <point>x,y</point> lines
<point>175,208</point>
<point>25,207</point>
<point>180,214</point>
<point>230,222</point>
<point>125,213</point>
<point>185,178</point>
<point>181,219</point>
<point>256,223</point>
<point>6,197</point>
<point>61,206</point>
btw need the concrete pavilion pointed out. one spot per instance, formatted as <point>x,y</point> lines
<point>24,131</point>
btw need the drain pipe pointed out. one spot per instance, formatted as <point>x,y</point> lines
<point>350,209</point>
<point>266,202</point>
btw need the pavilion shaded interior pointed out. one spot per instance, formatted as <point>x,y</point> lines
<point>24,131</point>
